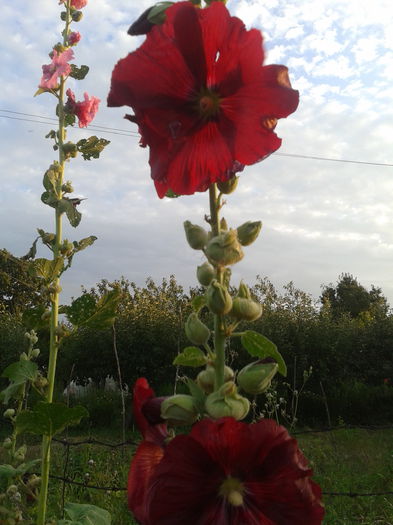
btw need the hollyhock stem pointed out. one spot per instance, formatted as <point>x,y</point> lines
<point>219,329</point>
<point>54,319</point>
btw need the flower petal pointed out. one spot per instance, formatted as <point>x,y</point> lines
<point>146,458</point>
<point>152,433</point>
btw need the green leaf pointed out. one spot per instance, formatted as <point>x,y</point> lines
<point>91,147</point>
<point>84,514</point>
<point>32,252</point>
<point>13,391</point>
<point>79,72</point>
<point>21,371</point>
<point>191,356</point>
<point>198,394</point>
<point>49,198</point>
<point>68,206</point>
<point>49,419</point>
<point>32,318</point>
<point>260,346</point>
<point>84,243</point>
<point>9,472</point>
<point>198,303</point>
<point>46,269</point>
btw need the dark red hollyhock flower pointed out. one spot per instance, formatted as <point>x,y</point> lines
<point>149,453</point>
<point>204,103</point>
<point>230,473</point>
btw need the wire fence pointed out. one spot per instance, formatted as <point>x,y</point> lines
<point>92,441</point>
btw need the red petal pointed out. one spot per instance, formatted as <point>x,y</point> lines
<point>184,484</point>
<point>203,158</point>
<point>184,18</point>
<point>143,79</point>
<point>153,433</point>
<point>146,458</point>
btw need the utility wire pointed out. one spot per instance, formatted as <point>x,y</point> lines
<point>128,133</point>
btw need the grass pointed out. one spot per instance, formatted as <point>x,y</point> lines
<point>343,461</point>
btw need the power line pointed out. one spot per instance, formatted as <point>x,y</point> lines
<point>128,133</point>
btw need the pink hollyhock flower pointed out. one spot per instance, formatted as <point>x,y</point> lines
<point>149,453</point>
<point>85,110</point>
<point>230,473</point>
<point>76,4</point>
<point>203,101</point>
<point>57,68</point>
<point>73,38</point>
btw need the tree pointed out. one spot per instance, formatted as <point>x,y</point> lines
<point>18,289</point>
<point>350,297</point>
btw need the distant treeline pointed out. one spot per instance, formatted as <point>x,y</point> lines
<point>346,337</point>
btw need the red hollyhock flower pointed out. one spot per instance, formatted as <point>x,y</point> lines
<point>204,103</point>
<point>230,473</point>
<point>149,453</point>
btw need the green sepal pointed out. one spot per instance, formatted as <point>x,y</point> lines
<point>69,119</point>
<point>85,514</point>
<point>49,419</point>
<point>46,269</point>
<point>85,311</point>
<point>260,346</point>
<point>191,356</point>
<point>51,177</point>
<point>157,14</point>
<point>10,472</point>
<point>171,194</point>
<point>79,72</point>
<point>40,91</point>
<point>198,303</point>
<point>198,394</point>
<point>91,147</point>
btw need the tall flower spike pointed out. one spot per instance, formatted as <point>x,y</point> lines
<point>211,106</point>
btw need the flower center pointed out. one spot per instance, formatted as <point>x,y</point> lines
<point>232,490</point>
<point>208,103</point>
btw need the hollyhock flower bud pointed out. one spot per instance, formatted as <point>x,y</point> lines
<point>228,186</point>
<point>248,232</point>
<point>67,187</point>
<point>35,353</point>
<point>256,377</point>
<point>218,298</point>
<point>225,249</point>
<point>7,443</point>
<point>227,403</point>
<point>196,331</point>
<point>179,409</point>
<point>223,225</point>
<point>205,379</point>
<point>196,235</point>
<point>70,150</point>
<point>205,274</point>
<point>9,413</point>
<point>73,38</point>
<point>77,16</point>
<point>245,309</point>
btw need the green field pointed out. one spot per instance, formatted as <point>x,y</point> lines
<point>343,461</point>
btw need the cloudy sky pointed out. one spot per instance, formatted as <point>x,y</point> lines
<point>320,218</point>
